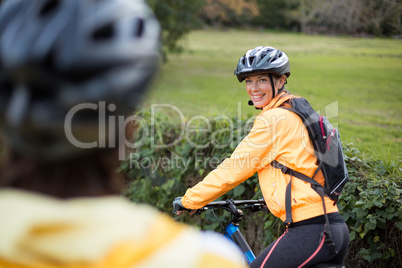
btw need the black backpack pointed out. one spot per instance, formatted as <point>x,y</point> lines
<point>328,150</point>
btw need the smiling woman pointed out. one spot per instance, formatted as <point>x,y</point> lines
<point>258,68</point>
<point>278,136</point>
<point>260,89</point>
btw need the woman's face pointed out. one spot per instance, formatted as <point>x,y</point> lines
<point>260,90</point>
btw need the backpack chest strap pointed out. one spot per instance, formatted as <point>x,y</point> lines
<point>292,172</point>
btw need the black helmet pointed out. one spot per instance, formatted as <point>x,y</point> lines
<point>58,54</point>
<point>262,59</point>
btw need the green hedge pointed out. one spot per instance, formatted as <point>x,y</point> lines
<point>156,174</point>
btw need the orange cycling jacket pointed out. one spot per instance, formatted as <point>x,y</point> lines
<point>277,134</point>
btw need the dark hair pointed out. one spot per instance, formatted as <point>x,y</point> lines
<point>90,175</point>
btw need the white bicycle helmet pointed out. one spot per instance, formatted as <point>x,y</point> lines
<point>57,54</point>
<point>262,59</point>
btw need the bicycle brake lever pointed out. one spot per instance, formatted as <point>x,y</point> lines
<point>257,207</point>
<point>198,212</point>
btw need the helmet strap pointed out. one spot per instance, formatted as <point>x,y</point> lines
<point>272,85</point>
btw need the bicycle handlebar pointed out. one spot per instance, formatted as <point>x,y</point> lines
<point>231,205</point>
<point>234,208</point>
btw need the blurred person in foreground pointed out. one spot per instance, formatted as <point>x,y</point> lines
<point>69,71</point>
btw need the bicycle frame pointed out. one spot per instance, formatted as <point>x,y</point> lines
<point>232,231</point>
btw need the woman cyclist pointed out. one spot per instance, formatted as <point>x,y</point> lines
<point>70,70</point>
<point>277,134</point>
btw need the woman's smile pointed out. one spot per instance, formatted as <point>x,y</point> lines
<point>257,97</point>
<point>259,89</point>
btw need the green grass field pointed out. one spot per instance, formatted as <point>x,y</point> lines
<point>357,81</point>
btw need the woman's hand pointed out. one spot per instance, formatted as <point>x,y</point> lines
<point>192,212</point>
<point>178,207</point>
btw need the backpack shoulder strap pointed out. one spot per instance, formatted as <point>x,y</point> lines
<point>288,195</point>
<point>288,200</point>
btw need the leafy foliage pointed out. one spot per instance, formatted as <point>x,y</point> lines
<point>375,17</point>
<point>371,206</point>
<point>156,174</point>
<point>177,18</point>
<point>278,14</point>
<point>356,17</point>
<point>229,12</point>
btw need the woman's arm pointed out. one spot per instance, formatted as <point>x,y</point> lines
<point>257,150</point>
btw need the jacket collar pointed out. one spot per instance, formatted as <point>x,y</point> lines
<point>277,101</point>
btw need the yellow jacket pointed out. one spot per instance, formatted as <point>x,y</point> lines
<point>277,134</point>
<point>108,232</point>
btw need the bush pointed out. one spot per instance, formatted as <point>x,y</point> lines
<point>371,205</point>
<point>170,160</point>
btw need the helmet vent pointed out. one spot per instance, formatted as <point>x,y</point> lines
<point>41,93</point>
<point>49,59</point>
<point>50,6</point>
<point>250,60</point>
<point>7,87</point>
<point>103,33</point>
<point>139,28</point>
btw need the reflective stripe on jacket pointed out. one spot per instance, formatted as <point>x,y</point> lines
<point>277,134</point>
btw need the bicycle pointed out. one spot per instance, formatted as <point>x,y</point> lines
<point>232,228</point>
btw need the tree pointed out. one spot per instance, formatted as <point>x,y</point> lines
<point>383,17</point>
<point>377,17</point>
<point>229,12</point>
<point>177,18</point>
<point>276,14</point>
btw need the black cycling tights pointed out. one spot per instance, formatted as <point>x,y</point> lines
<point>302,246</point>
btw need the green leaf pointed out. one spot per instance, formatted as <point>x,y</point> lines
<point>361,213</point>
<point>381,223</point>
<point>376,255</point>
<point>239,190</point>
<point>379,203</point>
<point>399,225</point>
<point>360,202</point>
<point>352,236</point>
<point>392,252</point>
<point>365,254</point>
<point>369,226</point>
